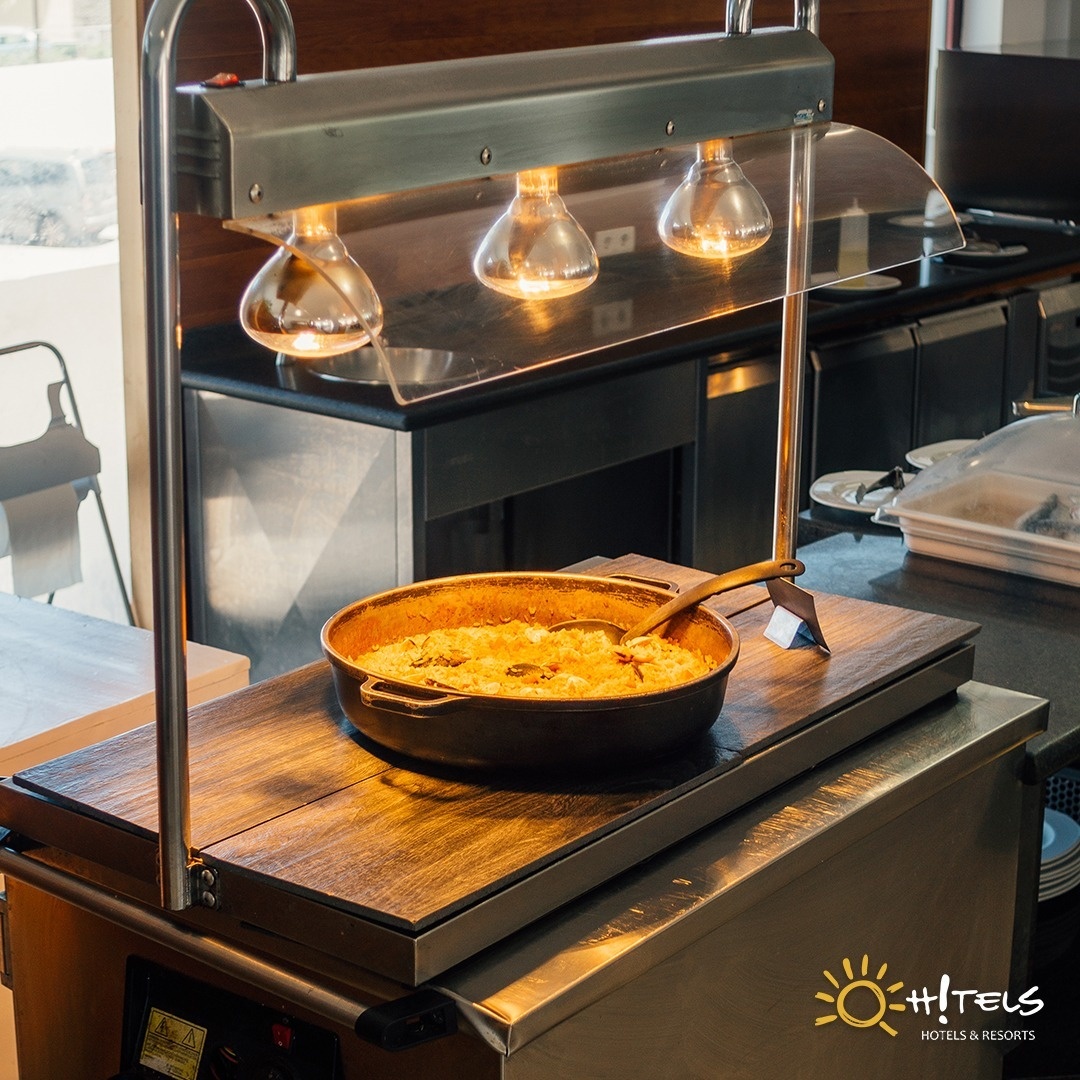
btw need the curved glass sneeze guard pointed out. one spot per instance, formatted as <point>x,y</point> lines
<point>873,208</point>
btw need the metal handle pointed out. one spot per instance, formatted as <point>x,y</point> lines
<point>733,579</point>
<point>1043,406</point>
<point>740,16</point>
<point>399,700</point>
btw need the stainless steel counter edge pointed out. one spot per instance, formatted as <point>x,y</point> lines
<point>557,967</point>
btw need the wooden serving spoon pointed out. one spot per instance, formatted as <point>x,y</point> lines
<point>733,579</point>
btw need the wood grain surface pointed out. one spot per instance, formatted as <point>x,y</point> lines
<point>285,792</point>
<point>68,680</point>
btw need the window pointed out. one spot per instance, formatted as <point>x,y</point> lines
<point>59,263</point>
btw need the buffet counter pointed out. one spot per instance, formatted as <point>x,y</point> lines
<point>1028,640</point>
<point>223,360</point>
<point>847,804</point>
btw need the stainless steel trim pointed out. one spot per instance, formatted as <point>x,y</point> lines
<point>740,16</point>
<point>1043,406</point>
<point>793,346</point>
<point>255,972</point>
<point>166,427</point>
<point>808,15</point>
<point>404,515</point>
<point>793,325</point>
<point>343,135</point>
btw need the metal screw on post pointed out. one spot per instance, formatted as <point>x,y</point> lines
<point>207,880</point>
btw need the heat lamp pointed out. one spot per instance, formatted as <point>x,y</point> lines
<point>715,213</point>
<point>536,250</point>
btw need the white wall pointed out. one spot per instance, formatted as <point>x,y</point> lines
<point>1017,22</point>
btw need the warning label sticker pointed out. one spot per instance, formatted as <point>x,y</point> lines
<point>172,1046</point>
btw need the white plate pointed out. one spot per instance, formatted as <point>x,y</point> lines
<point>1067,874</point>
<point>983,251</point>
<point>1055,891</point>
<point>1060,835</point>
<point>838,491</point>
<point>867,285</point>
<point>922,457</point>
<point>920,221</point>
<point>1049,889</point>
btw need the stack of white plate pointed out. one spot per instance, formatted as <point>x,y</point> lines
<point>1060,868</point>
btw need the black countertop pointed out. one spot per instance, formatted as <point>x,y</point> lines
<point>1030,636</point>
<point>224,360</point>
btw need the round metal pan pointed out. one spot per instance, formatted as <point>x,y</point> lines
<point>488,731</point>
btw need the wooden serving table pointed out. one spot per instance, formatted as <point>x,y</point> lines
<point>330,844</point>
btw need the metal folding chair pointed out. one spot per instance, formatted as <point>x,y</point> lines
<point>61,455</point>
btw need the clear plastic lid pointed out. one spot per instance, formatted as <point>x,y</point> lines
<point>1023,478</point>
<point>438,261</point>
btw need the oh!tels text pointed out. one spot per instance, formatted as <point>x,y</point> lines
<point>969,1001</point>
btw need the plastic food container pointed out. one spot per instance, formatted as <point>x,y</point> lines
<point>1010,501</point>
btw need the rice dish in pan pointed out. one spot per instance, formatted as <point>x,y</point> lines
<point>520,659</point>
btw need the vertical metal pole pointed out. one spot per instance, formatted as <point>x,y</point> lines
<point>740,16</point>
<point>793,349</point>
<point>166,435</point>
<point>808,15</point>
<point>793,326</point>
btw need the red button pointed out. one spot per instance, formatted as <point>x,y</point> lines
<point>282,1035</point>
<point>223,79</point>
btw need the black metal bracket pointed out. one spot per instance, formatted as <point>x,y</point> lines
<point>409,1021</point>
<point>205,885</point>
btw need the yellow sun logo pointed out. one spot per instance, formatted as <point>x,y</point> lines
<point>875,1006</point>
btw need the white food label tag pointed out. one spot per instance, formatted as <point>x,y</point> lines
<point>785,629</point>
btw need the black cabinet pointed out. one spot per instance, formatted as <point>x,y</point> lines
<point>871,397</point>
<point>862,392</point>
<point>960,373</point>
<point>1057,362</point>
<point>737,469</point>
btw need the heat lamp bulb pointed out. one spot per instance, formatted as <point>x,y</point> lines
<point>290,306</point>
<point>536,250</point>
<point>715,213</point>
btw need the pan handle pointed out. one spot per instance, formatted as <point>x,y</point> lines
<point>636,579</point>
<point>374,694</point>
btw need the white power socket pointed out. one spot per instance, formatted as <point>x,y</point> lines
<point>615,241</point>
<point>614,318</point>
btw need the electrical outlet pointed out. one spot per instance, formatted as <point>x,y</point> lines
<point>615,241</point>
<point>610,319</point>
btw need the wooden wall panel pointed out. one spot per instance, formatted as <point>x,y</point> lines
<point>881,49</point>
